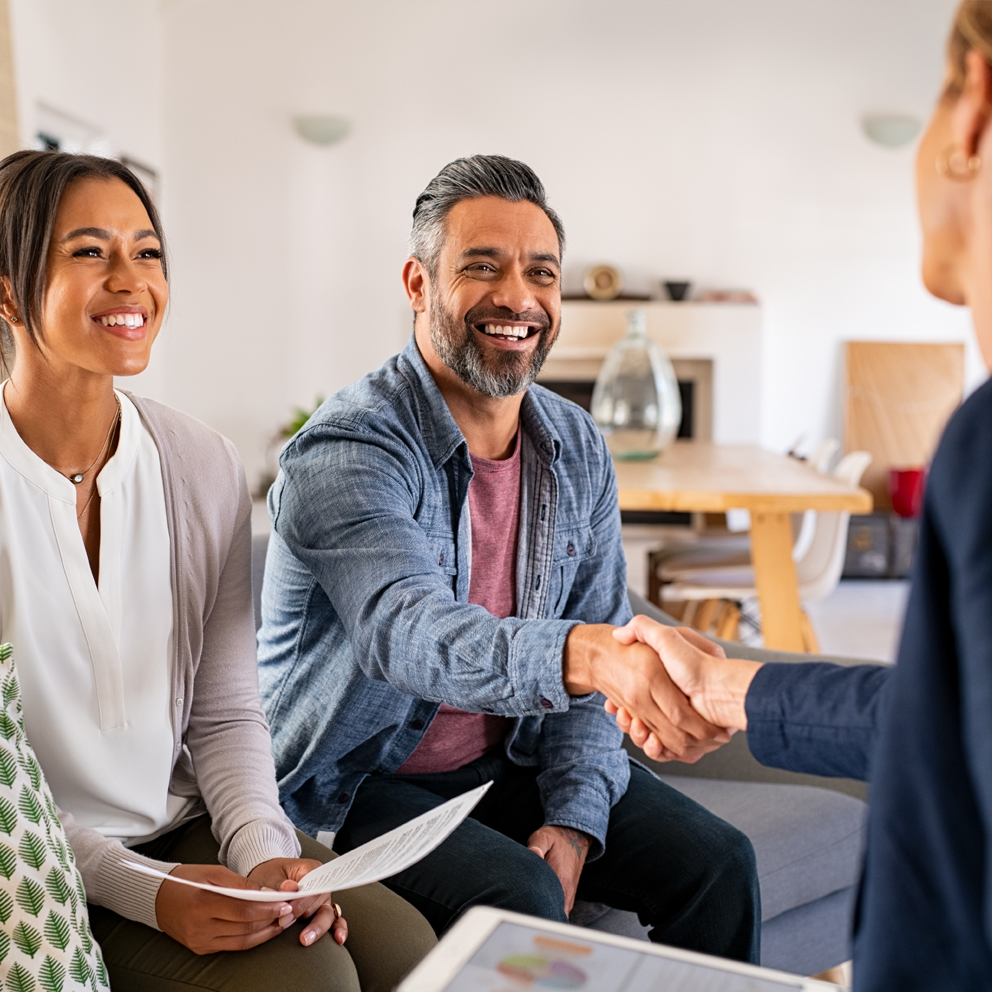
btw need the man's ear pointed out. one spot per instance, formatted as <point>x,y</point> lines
<point>416,282</point>
<point>974,106</point>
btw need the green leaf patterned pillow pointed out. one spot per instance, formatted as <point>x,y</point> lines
<point>45,939</point>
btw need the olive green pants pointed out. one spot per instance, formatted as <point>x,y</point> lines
<point>386,938</point>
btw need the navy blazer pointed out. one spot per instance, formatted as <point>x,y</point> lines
<point>922,732</point>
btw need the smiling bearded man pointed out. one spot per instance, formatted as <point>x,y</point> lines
<point>442,584</point>
<point>501,374</point>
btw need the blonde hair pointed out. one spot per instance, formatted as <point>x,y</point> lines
<point>972,30</point>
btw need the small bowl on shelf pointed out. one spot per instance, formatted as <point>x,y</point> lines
<point>678,290</point>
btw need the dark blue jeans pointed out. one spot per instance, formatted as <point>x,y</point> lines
<point>687,874</point>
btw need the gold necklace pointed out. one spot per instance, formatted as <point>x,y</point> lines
<point>113,427</point>
<point>77,477</point>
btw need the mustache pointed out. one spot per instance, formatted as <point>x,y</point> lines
<point>493,315</point>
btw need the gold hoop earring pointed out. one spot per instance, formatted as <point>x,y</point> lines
<point>954,164</point>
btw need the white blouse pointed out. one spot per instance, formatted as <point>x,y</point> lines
<point>94,662</point>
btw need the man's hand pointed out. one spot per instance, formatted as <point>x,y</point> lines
<point>715,684</point>
<point>285,874</point>
<point>632,676</point>
<point>565,850</point>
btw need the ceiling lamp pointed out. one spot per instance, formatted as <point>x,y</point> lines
<point>321,129</point>
<point>891,130</point>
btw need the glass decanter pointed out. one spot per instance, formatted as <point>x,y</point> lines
<point>636,401</point>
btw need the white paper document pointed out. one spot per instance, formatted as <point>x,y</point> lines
<point>378,859</point>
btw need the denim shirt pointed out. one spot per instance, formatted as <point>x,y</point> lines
<point>366,625</point>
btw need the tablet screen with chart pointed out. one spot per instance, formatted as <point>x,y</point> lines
<point>514,958</point>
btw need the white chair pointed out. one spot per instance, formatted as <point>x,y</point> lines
<point>818,569</point>
<point>820,460</point>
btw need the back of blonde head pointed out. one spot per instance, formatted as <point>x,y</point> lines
<point>972,29</point>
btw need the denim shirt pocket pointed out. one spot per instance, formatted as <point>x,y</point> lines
<point>573,545</point>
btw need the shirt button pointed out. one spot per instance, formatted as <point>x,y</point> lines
<point>570,550</point>
<point>440,560</point>
<point>179,701</point>
<point>416,724</point>
<point>547,704</point>
<point>343,798</point>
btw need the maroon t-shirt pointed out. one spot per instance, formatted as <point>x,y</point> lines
<point>455,737</point>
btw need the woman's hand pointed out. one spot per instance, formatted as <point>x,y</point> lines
<point>206,922</point>
<point>285,874</point>
<point>715,685</point>
<point>634,677</point>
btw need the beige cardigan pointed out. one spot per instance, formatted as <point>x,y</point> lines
<point>222,731</point>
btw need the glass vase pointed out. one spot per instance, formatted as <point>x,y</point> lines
<point>636,401</point>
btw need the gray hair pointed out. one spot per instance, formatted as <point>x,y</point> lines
<point>468,179</point>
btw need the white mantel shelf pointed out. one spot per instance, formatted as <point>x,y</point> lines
<point>729,334</point>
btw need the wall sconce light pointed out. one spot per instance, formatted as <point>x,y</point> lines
<point>891,130</point>
<point>321,129</point>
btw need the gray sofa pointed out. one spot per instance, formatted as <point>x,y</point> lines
<point>807,834</point>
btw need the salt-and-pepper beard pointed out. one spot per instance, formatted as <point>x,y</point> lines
<point>505,373</point>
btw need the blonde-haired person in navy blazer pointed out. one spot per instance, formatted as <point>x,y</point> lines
<point>921,732</point>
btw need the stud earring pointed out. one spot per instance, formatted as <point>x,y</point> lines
<point>954,164</point>
<point>13,320</point>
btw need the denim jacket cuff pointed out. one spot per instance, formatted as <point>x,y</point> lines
<point>587,810</point>
<point>536,661</point>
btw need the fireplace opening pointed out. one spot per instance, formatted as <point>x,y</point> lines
<point>580,391</point>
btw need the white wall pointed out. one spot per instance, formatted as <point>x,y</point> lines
<point>717,139</point>
<point>99,62</point>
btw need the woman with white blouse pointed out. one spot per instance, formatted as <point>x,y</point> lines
<point>125,589</point>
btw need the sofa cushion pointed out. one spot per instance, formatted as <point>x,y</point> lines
<point>259,548</point>
<point>808,842</point>
<point>810,938</point>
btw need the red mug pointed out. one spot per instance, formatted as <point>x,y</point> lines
<point>906,489</point>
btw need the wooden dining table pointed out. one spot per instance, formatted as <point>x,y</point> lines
<point>698,476</point>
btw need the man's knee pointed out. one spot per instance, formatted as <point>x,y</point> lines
<point>731,866</point>
<point>527,884</point>
<point>660,830</point>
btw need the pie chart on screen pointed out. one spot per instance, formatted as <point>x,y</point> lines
<point>541,972</point>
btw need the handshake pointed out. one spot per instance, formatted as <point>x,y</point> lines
<point>676,693</point>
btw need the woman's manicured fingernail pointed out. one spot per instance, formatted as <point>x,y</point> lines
<point>309,937</point>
